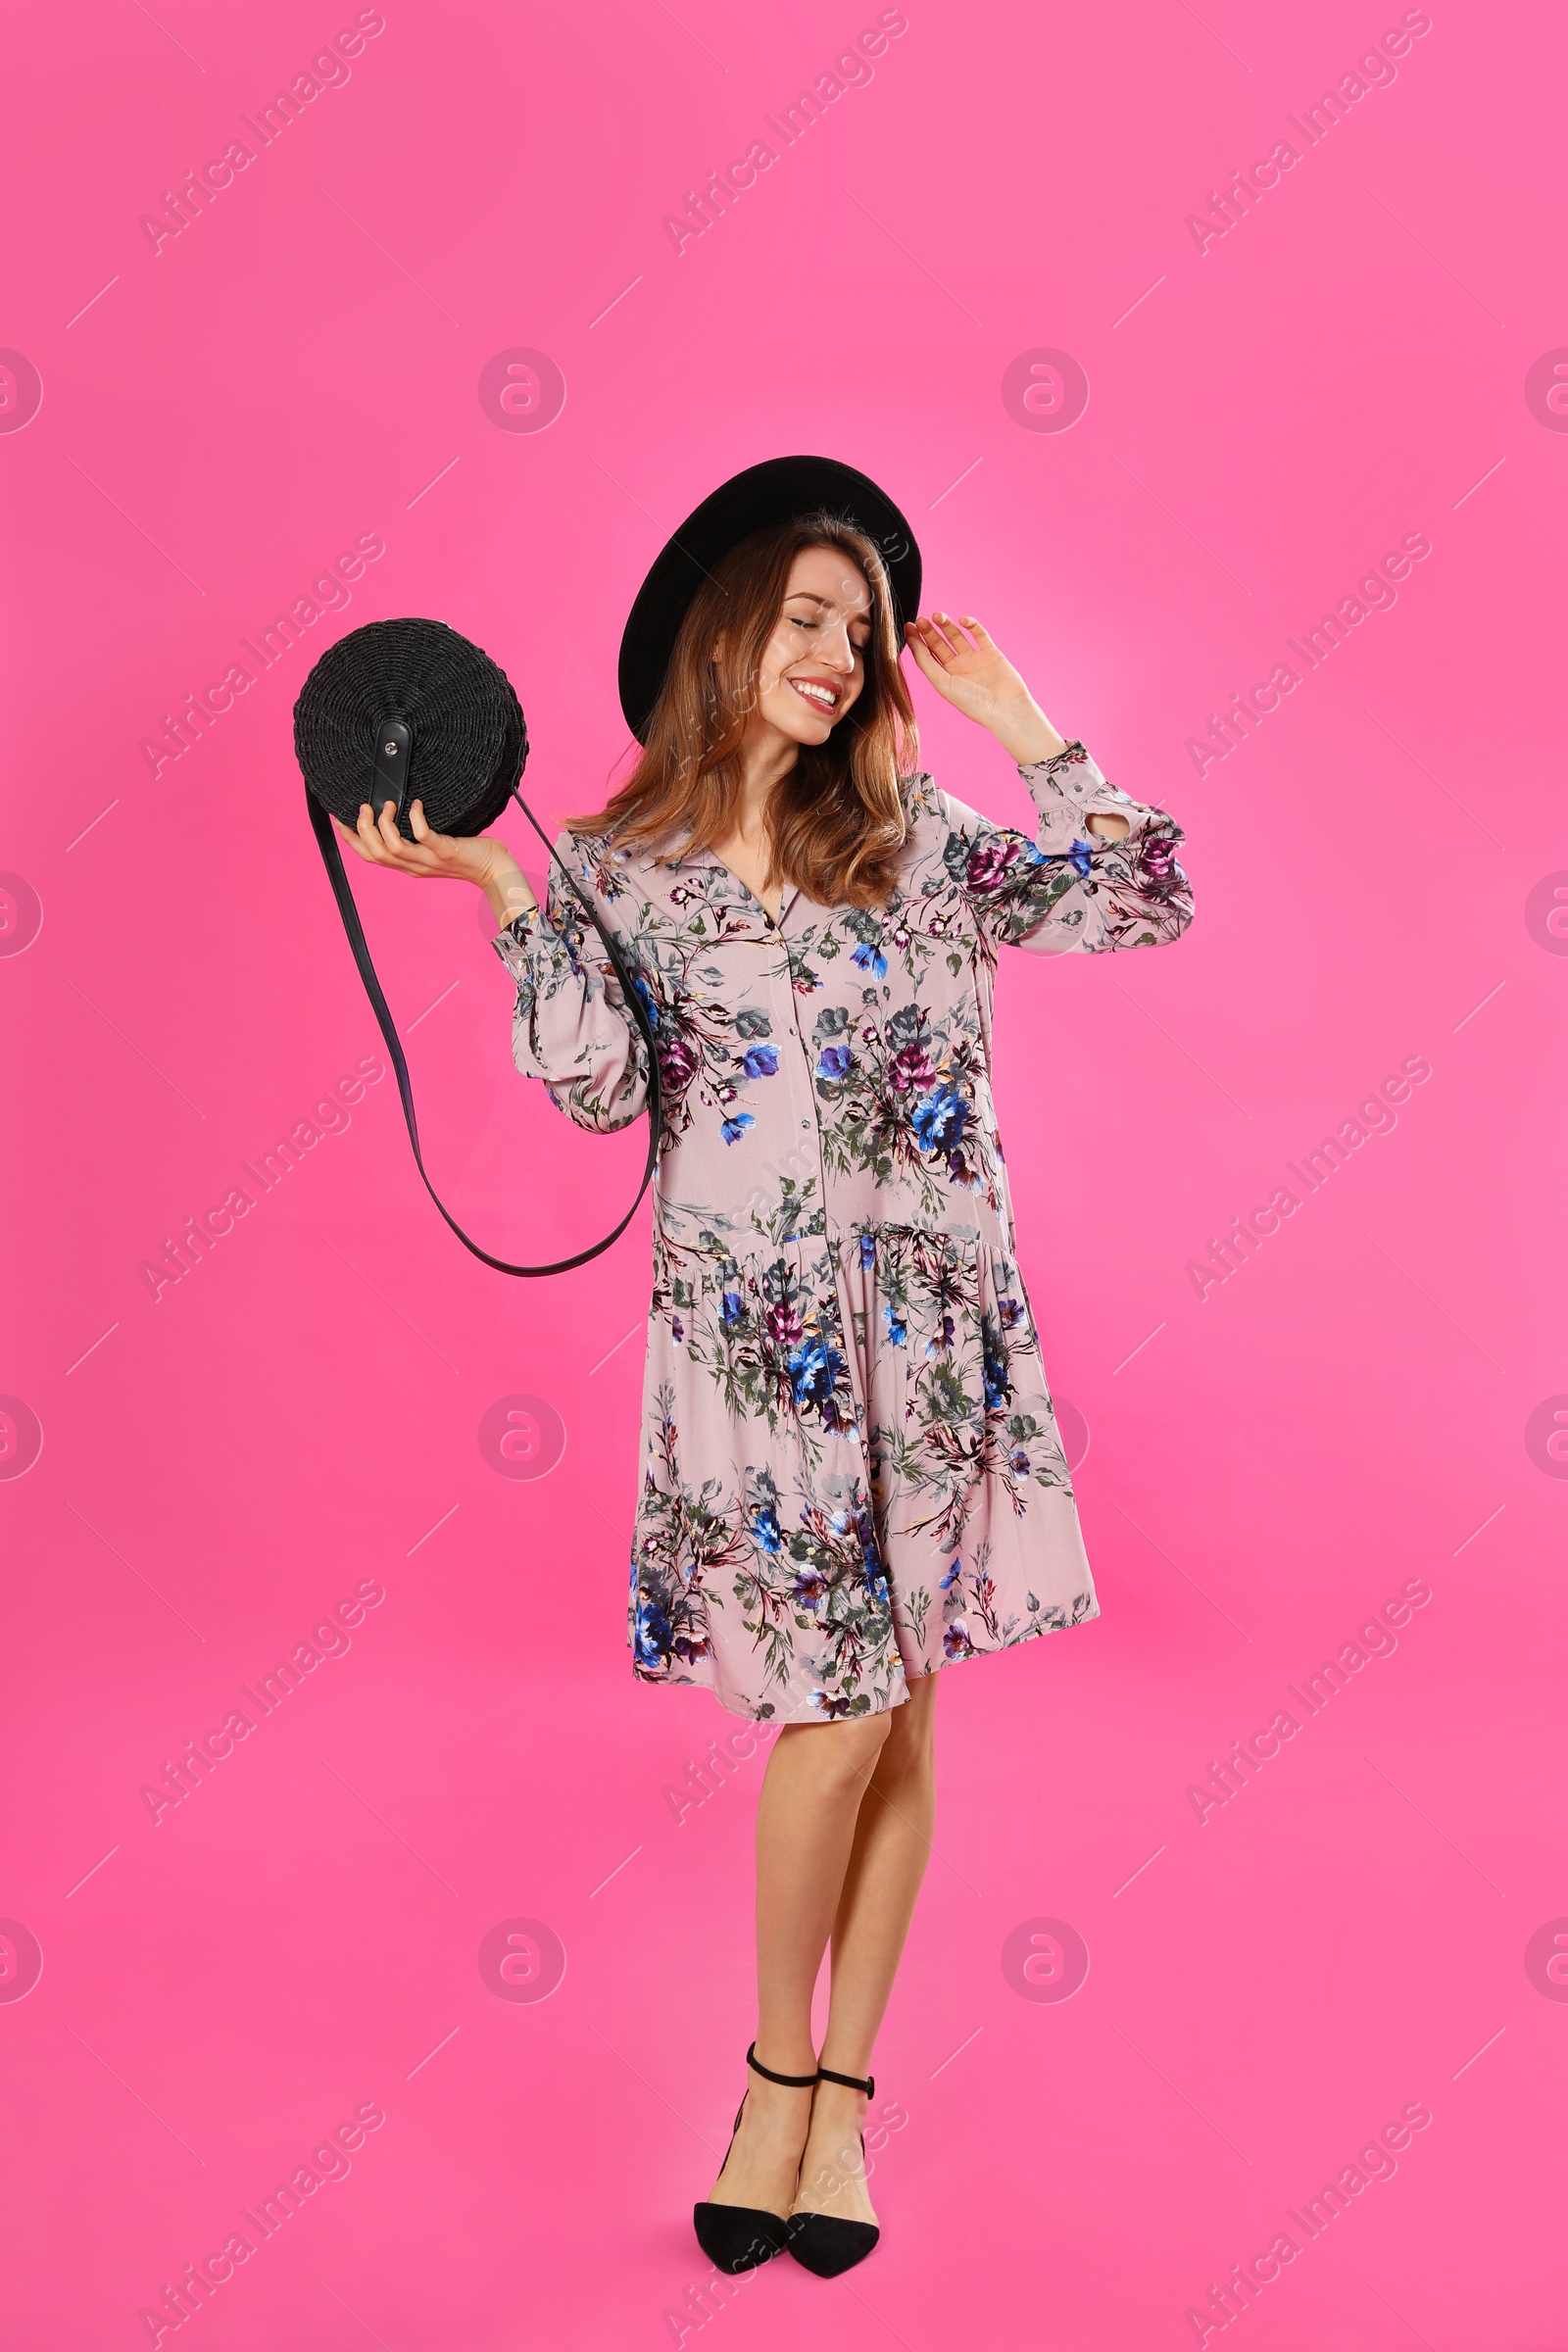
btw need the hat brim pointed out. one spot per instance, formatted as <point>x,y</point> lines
<point>777,491</point>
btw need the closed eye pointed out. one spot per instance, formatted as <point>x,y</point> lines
<point>857,645</point>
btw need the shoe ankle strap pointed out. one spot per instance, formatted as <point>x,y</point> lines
<point>867,2084</point>
<point>792,2082</point>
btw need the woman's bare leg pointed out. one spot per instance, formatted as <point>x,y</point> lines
<point>806,1829</point>
<point>886,1863</point>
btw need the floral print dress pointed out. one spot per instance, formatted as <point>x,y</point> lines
<point>849,1470</point>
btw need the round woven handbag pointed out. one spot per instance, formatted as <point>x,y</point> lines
<point>402,710</point>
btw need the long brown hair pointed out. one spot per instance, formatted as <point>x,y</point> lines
<point>839,817</point>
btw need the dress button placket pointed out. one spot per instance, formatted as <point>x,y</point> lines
<point>809,1123</point>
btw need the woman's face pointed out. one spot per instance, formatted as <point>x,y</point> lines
<point>814,666</point>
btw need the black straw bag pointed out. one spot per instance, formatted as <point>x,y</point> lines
<point>402,710</point>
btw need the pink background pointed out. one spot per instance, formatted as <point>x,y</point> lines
<point>1373,1400</point>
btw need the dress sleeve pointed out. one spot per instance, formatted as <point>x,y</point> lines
<point>570,1026</point>
<point>1070,888</point>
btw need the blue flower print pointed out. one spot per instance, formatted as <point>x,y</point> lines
<point>729,1306</point>
<point>876,1583</point>
<point>939,1122</point>
<point>765,1527</point>
<point>653,1643</point>
<point>869,957</point>
<point>898,1329</point>
<point>761,1061</point>
<point>734,1127</point>
<point>834,1061</point>
<point>869,1249</point>
<point>650,1000</point>
<point>951,1574</point>
<point>813,1372</point>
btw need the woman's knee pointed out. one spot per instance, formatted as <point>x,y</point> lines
<point>911,1744</point>
<point>847,1751</point>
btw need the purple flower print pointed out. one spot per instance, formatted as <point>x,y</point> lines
<point>991,863</point>
<point>785,1324</point>
<point>911,1070</point>
<point>810,1588</point>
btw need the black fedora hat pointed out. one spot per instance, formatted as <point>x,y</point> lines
<point>775,491</point>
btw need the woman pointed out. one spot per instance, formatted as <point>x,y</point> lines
<point>851,1474</point>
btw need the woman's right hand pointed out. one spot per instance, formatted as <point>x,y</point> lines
<point>459,858</point>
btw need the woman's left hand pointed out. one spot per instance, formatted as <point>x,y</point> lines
<point>976,677</point>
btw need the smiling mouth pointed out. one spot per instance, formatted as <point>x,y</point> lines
<point>820,698</point>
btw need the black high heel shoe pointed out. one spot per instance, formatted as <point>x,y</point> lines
<point>738,2237</point>
<point>821,2241</point>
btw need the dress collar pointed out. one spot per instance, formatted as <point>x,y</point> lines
<point>731,889</point>
<point>688,856</point>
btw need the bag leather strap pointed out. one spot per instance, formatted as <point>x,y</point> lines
<point>332,859</point>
